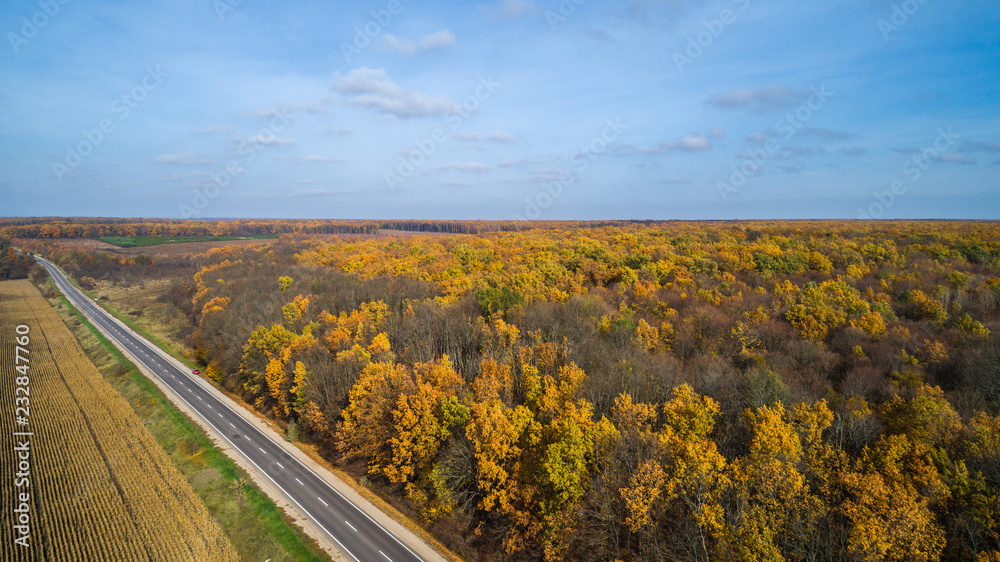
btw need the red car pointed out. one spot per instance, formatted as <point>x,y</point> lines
<point>196,372</point>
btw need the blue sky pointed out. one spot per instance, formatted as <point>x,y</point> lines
<point>503,109</point>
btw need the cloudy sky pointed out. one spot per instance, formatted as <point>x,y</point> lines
<point>502,109</point>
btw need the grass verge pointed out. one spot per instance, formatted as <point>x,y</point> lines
<point>254,524</point>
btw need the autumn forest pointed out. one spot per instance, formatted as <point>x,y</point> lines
<point>800,390</point>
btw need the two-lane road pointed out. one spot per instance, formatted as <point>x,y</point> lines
<point>359,536</point>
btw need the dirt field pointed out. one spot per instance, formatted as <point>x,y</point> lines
<point>97,485</point>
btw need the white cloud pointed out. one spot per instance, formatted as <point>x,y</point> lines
<point>546,175</point>
<point>949,157</point>
<point>269,140</point>
<point>186,159</point>
<point>282,113</point>
<point>500,136</point>
<point>979,146</point>
<point>407,48</point>
<point>321,159</point>
<point>495,136</point>
<point>956,158</point>
<point>466,167</point>
<point>825,133</point>
<point>717,133</point>
<point>691,143</point>
<point>512,9</point>
<point>694,142</point>
<point>374,89</point>
<point>765,99</point>
<point>507,163</point>
<point>789,151</point>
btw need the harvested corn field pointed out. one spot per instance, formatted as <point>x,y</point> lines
<point>80,476</point>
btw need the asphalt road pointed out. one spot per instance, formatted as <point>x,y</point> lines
<point>358,535</point>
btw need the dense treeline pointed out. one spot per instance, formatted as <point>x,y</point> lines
<point>479,227</point>
<point>99,228</point>
<point>86,227</point>
<point>13,265</point>
<point>682,391</point>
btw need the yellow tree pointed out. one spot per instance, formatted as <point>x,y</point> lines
<point>423,421</point>
<point>887,504</point>
<point>926,416</point>
<point>770,511</point>
<point>367,427</point>
<point>493,382</point>
<point>696,471</point>
<point>276,379</point>
<point>500,436</point>
<point>263,346</point>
